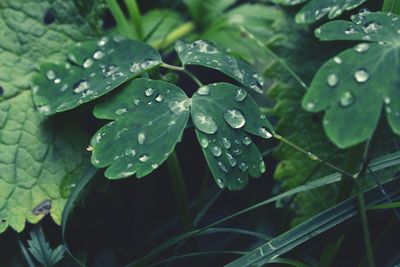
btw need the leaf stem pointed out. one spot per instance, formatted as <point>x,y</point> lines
<point>392,6</point>
<point>122,22</point>
<point>182,69</point>
<point>312,156</point>
<point>175,35</point>
<point>180,191</point>
<point>136,18</point>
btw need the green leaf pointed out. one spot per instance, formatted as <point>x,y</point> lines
<point>40,159</point>
<point>97,68</point>
<point>349,87</point>
<point>41,250</point>
<point>205,54</point>
<point>222,114</point>
<point>205,11</point>
<point>148,119</point>
<point>316,9</point>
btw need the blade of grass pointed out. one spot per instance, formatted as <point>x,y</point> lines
<point>122,22</point>
<point>136,18</point>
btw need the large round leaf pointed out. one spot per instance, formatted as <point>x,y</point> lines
<point>353,86</point>
<point>148,119</point>
<point>222,114</point>
<point>93,69</point>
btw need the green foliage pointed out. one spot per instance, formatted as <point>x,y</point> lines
<point>148,120</point>
<point>41,250</point>
<point>40,160</point>
<point>97,68</point>
<point>316,9</point>
<point>205,54</point>
<point>222,114</point>
<point>349,87</point>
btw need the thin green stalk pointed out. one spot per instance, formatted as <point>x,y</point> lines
<point>175,35</point>
<point>180,191</point>
<point>182,69</point>
<point>136,18</point>
<point>122,22</point>
<point>25,253</point>
<point>392,6</point>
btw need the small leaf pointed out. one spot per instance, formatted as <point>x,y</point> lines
<point>92,70</point>
<point>39,247</point>
<point>349,87</point>
<point>148,119</point>
<point>222,114</point>
<point>205,54</point>
<point>316,9</point>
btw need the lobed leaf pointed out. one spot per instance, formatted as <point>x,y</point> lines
<point>350,87</point>
<point>206,54</point>
<point>222,114</point>
<point>314,10</point>
<point>148,119</point>
<point>94,69</point>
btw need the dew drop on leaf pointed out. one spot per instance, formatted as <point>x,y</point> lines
<point>243,166</point>
<point>361,48</point>
<point>240,95</point>
<point>232,161</point>
<point>204,142</point>
<point>387,100</point>
<point>216,151</point>
<point>246,140</point>
<point>87,63</point>
<point>234,118</point>
<point>159,98</point>
<point>154,166</point>
<point>141,137</point>
<point>226,143</point>
<point>332,80</point>
<point>338,60</point>
<point>264,132</point>
<point>57,80</point>
<point>102,42</point>
<point>110,70</point>
<point>149,92</point>
<point>347,99</point>
<point>205,123</point>
<point>204,90</point>
<point>50,74</point>
<point>143,158</point>
<point>372,27</point>
<point>121,111</point>
<point>130,152</point>
<point>220,183</point>
<point>98,54</point>
<point>240,180</point>
<point>222,167</point>
<point>262,166</point>
<point>81,86</point>
<point>361,76</point>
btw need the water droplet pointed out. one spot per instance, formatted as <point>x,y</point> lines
<point>216,151</point>
<point>246,140</point>
<point>312,156</point>
<point>130,152</point>
<point>222,167</point>
<point>346,99</point>
<point>262,166</point>
<point>338,60</point>
<point>204,47</point>
<point>232,161</point>
<point>154,166</point>
<point>148,63</point>
<point>362,48</point>
<point>110,70</point>
<point>144,158</point>
<point>89,148</point>
<point>361,76</point>
<point>264,132</point>
<point>87,63</point>
<point>141,137</point>
<point>81,86</point>
<point>372,27</point>
<point>204,142</point>
<point>98,54</point>
<point>243,166</point>
<point>387,100</point>
<point>204,90</point>
<point>350,30</point>
<point>57,80</point>
<point>159,98</point>
<point>310,106</point>
<point>240,180</point>
<point>102,42</point>
<point>135,67</point>
<point>226,143</point>
<point>121,111</point>
<point>149,91</point>
<point>50,74</point>
<point>240,95</point>
<point>234,118</point>
<point>220,183</point>
<point>205,123</point>
<point>332,80</point>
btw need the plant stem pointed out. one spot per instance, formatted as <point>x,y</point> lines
<point>180,191</point>
<point>122,22</point>
<point>136,18</point>
<point>182,69</point>
<point>312,156</point>
<point>392,6</point>
<point>173,36</point>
